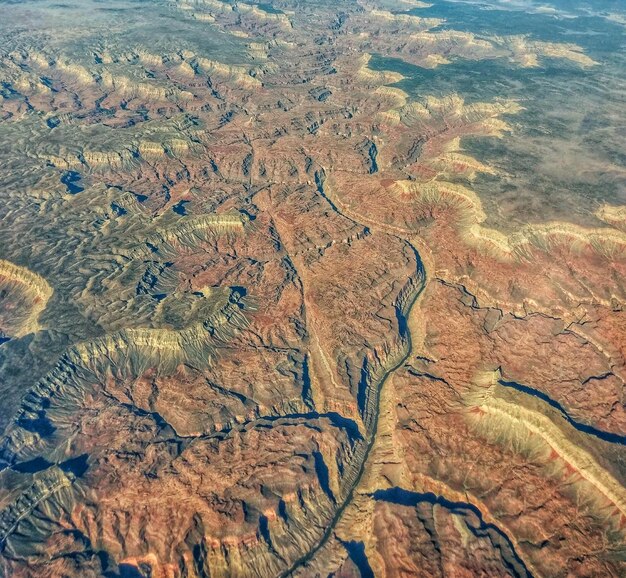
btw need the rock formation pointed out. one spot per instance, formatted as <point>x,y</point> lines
<point>258,320</point>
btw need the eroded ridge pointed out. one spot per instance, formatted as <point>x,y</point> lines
<point>510,421</point>
<point>25,295</point>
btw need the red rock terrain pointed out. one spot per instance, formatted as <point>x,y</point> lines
<point>256,323</point>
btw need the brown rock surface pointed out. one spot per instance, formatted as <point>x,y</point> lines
<point>255,320</point>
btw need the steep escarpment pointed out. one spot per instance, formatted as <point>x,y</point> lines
<point>25,295</point>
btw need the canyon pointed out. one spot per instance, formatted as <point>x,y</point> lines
<point>258,317</point>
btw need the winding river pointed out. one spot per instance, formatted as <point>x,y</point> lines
<point>370,438</point>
